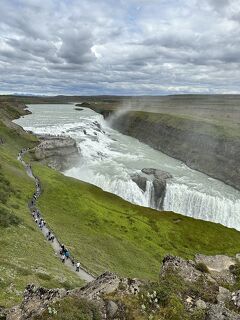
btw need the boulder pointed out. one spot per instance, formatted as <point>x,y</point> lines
<point>108,282</point>
<point>218,267</point>
<point>185,268</point>
<point>112,309</point>
<point>35,301</point>
<point>236,298</point>
<point>224,295</point>
<point>158,174</point>
<point>158,179</point>
<point>200,304</point>
<point>219,312</point>
<point>140,181</point>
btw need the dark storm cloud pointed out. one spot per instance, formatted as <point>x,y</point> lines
<point>124,47</point>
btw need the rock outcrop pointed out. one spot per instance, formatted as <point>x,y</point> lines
<point>57,152</point>
<point>184,268</point>
<point>38,299</point>
<point>35,301</point>
<point>219,312</point>
<point>196,292</point>
<point>158,178</point>
<point>219,300</point>
<point>219,266</point>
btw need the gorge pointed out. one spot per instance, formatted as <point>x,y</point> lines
<point>109,159</point>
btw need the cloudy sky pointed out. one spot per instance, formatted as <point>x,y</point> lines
<point>119,46</point>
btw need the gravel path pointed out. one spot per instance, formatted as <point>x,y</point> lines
<point>55,243</point>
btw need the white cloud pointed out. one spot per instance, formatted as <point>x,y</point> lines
<point>124,47</point>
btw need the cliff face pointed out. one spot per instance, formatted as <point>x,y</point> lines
<point>58,152</point>
<point>202,146</point>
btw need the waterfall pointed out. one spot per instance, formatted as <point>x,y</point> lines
<point>109,159</point>
<point>182,199</point>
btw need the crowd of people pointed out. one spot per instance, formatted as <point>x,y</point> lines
<point>64,252</point>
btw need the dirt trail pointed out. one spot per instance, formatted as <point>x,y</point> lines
<point>56,244</point>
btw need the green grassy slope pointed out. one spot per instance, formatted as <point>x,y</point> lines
<point>191,123</point>
<point>101,229</point>
<point>106,232</point>
<point>25,256</point>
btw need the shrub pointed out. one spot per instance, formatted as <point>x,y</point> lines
<point>8,219</point>
<point>202,267</point>
<point>5,188</point>
<point>175,309</point>
<point>71,308</point>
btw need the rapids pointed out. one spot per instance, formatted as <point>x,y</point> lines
<point>108,158</point>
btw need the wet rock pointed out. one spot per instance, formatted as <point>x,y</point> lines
<point>158,174</point>
<point>78,109</point>
<point>158,179</point>
<point>219,312</point>
<point>140,181</point>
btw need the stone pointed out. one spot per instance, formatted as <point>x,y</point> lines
<point>35,301</point>
<point>112,309</point>
<point>3,313</point>
<point>185,268</point>
<point>238,257</point>
<point>200,304</point>
<point>217,263</point>
<point>106,283</point>
<point>218,267</point>
<point>219,312</point>
<point>236,298</point>
<point>224,295</point>
<point>140,181</point>
<point>158,179</point>
<point>189,300</point>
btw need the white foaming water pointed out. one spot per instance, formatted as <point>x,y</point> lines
<point>108,158</point>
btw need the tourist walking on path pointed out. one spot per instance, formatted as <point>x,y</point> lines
<point>67,254</point>
<point>78,266</point>
<point>41,223</point>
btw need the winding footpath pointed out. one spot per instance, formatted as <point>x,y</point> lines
<point>55,243</point>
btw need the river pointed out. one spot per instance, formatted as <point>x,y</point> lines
<point>108,158</point>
